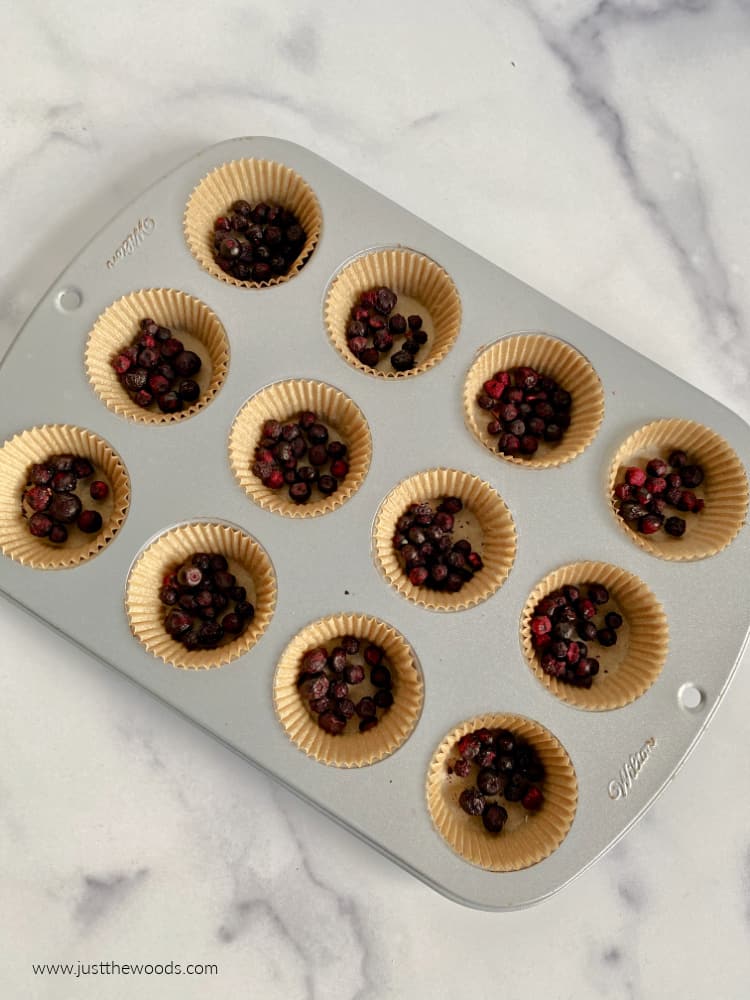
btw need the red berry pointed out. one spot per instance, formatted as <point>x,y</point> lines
<point>121,364</point>
<point>98,490</point>
<point>494,389</point>
<point>540,625</point>
<point>533,799</point>
<point>339,468</point>
<point>635,476</point>
<point>650,524</point>
<point>275,480</point>
<point>656,484</point>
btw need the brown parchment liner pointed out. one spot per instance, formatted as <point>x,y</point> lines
<point>724,488</point>
<point>550,357</point>
<point>498,546</point>
<point>527,837</point>
<point>284,401</point>
<point>349,749</point>
<point>254,181</point>
<point>406,273</point>
<point>627,669</point>
<point>37,445</point>
<point>189,319</point>
<point>247,560</point>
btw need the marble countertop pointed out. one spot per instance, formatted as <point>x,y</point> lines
<point>597,150</point>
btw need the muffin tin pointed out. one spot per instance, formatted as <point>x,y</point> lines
<point>470,657</point>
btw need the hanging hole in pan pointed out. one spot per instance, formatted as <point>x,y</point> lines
<point>68,299</point>
<point>691,697</point>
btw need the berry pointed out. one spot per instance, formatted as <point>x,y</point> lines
<point>99,490</point>
<point>90,521</point>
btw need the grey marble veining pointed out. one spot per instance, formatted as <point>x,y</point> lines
<point>598,151</point>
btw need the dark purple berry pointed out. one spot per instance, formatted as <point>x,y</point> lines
<point>90,521</point>
<point>472,801</point>
<point>675,526</point>
<point>494,817</point>
<point>187,364</point>
<point>65,508</point>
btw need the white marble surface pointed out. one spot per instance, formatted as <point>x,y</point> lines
<point>597,150</point>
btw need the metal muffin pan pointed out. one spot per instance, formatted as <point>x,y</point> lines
<point>471,660</point>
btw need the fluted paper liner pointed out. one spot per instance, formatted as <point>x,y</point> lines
<point>189,319</point>
<point>37,445</point>
<point>496,545</point>
<point>559,361</point>
<point>349,749</point>
<point>247,560</point>
<point>284,401</point>
<point>527,837</point>
<point>724,487</point>
<point>627,669</point>
<point>253,181</point>
<point>409,274</point>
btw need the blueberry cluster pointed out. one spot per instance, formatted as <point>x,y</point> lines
<point>280,452</point>
<point>508,768</point>
<point>424,542</point>
<point>527,407</point>
<point>207,604</point>
<point>257,242</point>
<point>51,501</point>
<point>327,677</point>
<point>156,369</point>
<point>561,626</point>
<point>373,327</point>
<point>643,496</point>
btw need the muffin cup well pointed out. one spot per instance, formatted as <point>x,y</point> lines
<point>254,181</point>
<point>559,361</point>
<point>189,319</point>
<point>247,560</point>
<point>527,837</point>
<point>627,669</point>
<point>724,488</point>
<point>284,401</point>
<point>349,749</point>
<point>36,445</point>
<point>489,521</point>
<point>408,274</point>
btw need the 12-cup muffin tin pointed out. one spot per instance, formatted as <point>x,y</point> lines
<point>471,660</point>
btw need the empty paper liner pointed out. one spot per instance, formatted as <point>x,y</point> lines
<point>254,181</point>
<point>422,286</point>
<point>285,401</point>
<point>724,488</point>
<point>190,321</point>
<point>36,446</point>
<point>247,560</point>
<point>485,521</point>
<point>349,748</point>
<point>627,669</point>
<point>551,357</point>
<point>527,838</point>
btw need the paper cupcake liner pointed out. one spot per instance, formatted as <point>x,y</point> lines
<point>247,560</point>
<point>411,275</point>
<point>254,181</point>
<point>349,749</point>
<point>494,528</point>
<point>724,488</point>
<point>528,837</point>
<point>189,319</point>
<point>559,361</point>
<point>284,401</point>
<point>627,669</point>
<point>36,445</point>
